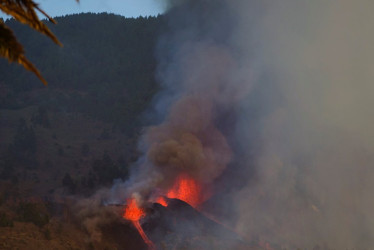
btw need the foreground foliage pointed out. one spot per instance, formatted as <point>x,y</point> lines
<point>24,11</point>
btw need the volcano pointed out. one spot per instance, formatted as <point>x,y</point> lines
<point>180,226</point>
<point>175,221</point>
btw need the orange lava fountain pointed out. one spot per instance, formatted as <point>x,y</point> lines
<point>132,211</point>
<point>134,214</point>
<point>186,189</point>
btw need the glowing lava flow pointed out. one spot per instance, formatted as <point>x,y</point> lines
<point>134,214</point>
<point>144,236</point>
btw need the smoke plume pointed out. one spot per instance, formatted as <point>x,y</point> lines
<point>281,93</point>
<point>314,147</point>
<point>200,78</point>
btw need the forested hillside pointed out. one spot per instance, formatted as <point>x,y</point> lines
<point>106,60</point>
<point>80,132</point>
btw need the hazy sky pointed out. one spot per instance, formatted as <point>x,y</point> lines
<point>128,8</point>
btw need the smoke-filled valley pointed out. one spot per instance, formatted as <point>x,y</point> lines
<point>236,125</point>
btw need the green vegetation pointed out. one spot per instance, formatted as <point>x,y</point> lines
<point>78,134</point>
<point>105,70</point>
<point>81,132</point>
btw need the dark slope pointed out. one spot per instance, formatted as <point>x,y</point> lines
<point>106,60</point>
<point>180,226</point>
<point>80,132</point>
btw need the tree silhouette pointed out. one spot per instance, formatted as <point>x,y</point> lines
<point>24,11</point>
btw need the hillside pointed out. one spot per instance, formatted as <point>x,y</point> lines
<point>99,85</point>
<point>79,133</point>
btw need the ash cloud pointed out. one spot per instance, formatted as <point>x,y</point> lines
<point>201,79</point>
<point>297,75</point>
<point>314,147</point>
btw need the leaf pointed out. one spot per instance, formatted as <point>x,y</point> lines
<point>23,11</point>
<point>11,49</point>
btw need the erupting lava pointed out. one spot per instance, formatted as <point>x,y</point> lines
<point>144,236</point>
<point>134,214</point>
<point>186,189</point>
<point>161,200</point>
<point>132,211</point>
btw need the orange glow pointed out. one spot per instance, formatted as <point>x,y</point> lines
<point>134,214</point>
<point>161,200</point>
<point>150,244</point>
<point>186,189</point>
<point>132,211</point>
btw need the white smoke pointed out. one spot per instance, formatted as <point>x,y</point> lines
<point>200,76</point>
<point>315,162</point>
<point>298,75</point>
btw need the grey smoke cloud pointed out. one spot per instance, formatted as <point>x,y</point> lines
<point>314,168</point>
<point>198,73</point>
<point>298,75</point>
